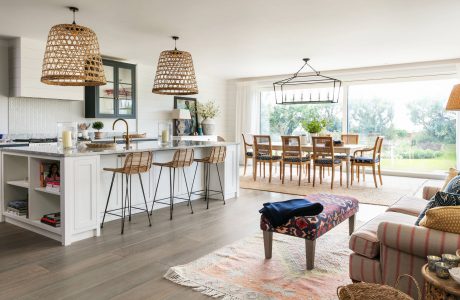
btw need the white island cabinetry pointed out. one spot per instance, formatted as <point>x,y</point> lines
<point>85,185</point>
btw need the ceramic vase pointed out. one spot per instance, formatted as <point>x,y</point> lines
<point>209,126</point>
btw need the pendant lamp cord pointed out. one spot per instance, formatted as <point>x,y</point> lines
<point>74,10</point>
<point>74,18</point>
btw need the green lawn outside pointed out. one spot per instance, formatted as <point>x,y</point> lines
<point>437,165</point>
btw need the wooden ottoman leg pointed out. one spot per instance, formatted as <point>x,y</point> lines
<point>268,242</point>
<point>310,253</point>
<point>351,224</point>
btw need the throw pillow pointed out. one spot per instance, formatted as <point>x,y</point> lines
<point>445,218</point>
<point>440,199</point>
<point>453,186</point>
<point>452,173</point>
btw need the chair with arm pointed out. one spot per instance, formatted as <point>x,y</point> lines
<point>248,149</point>
<point>292,155</point>
<point>263,152</point>
<point>366,161</point>
<point>323,156</point>
<point>350,138</point>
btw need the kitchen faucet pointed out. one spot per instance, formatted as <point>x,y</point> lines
<point>127,132</point>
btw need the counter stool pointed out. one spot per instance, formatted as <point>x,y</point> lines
<point>182,158</point>
<point>216,157</point>
<point>135,163</point>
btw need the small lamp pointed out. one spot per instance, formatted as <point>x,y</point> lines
<point>180,115</point>
<point>454,100</point>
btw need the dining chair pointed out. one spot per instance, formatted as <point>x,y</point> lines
<point>293,155</point>
<point>350,138</point>
<point>366,161</point>
<point>323,156</point>
<point>263,152</point>
<point>248,149</point>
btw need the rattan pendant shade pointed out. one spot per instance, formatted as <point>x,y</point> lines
<point>175,74</point>
<point>454,100</point>
<point>72,57</point>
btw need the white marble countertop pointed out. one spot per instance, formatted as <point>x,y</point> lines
<point>53,150</point>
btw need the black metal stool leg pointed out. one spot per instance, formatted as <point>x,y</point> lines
<point>145,199</point>
<point>171,188</point>
<point>156,190</point>
<point>130,194</point>
<point>122,205</point>
<point>174,188</point>
<point>220,183</point>
<point>208,167</point>
<point>188,193</point>
<point>108,198</point>
<point>193,181</point>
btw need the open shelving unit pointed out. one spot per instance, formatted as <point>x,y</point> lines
<point>21,177</point>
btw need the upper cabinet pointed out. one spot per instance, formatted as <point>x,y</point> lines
<point>118,97</point>
<point>25,71</point>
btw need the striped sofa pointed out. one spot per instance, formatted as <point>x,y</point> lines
<point>391,245</point>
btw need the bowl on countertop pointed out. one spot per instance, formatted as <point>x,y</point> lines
<point>455,274</point>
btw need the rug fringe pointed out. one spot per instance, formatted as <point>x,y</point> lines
<point>175,277</point>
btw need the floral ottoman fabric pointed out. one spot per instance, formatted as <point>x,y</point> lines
<point>336,209</point>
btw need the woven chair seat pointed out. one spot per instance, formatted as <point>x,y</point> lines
<point>296,159</point>
<point>327,161</point>
<point>268,157</point>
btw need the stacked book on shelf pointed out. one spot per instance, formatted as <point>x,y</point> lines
<point>18,207</point>
<point>53,219</point>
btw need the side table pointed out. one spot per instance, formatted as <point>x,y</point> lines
<point>439,289</point>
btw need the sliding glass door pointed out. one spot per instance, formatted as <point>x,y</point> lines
<point>419,135</point>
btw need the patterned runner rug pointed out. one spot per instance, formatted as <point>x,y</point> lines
<point>240,270</point>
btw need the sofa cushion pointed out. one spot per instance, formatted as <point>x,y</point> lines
<point>452,173</point>
<point>409,205</point>
<point>453,186</point>
<point>440,199</point>
<point>364,240</point>
<point>443,219</point>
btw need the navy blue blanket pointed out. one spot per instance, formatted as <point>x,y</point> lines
<point>279,213</point>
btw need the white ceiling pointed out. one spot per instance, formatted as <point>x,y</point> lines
<point>244,38</point>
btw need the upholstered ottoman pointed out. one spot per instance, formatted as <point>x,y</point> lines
<point>336,209</point>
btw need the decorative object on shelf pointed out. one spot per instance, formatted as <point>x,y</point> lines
<point>454,99</point>
<point>67,135</point>
<point>327,88</point>
<point>72,56</point>
<point>98,125</point>
<point>50,177</point>
<point>175,74</point>
<point>182,124</point>
<point>432,260</point>
<point>190,104</point>
<point>83,129</point>
<point>53,219</point>
<point>164,132</point>
<point>208,111</point>
<point>442,270</point>
<point>200,129</point>
<point>451,260</point>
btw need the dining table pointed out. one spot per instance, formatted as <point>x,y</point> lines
<point>347,149</point>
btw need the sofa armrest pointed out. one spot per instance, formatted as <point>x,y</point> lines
<point>417,240</point>
<point>429,191</point>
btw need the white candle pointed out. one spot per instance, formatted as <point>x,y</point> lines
<point>165,136</point>
<point>67,139</point>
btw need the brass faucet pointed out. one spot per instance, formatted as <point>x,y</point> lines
<point>127,132</point>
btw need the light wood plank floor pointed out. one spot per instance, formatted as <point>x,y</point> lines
<point>130,265</point>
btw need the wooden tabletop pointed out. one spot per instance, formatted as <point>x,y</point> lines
<point>448,285</point>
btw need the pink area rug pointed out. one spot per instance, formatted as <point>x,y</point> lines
<point>240,270</point>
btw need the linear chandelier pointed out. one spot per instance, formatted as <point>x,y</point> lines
<point>72,56</point>
<point>307,88</point>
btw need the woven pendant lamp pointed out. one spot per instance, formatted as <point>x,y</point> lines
<point>175,73</point>
<point>72,56</point>
<point>454,100</point>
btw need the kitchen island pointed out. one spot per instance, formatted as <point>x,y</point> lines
<point>84,186</point>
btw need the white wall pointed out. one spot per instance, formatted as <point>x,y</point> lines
<point>39,116</point>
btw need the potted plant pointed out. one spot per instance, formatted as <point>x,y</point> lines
<point>98,125</point>
<point>208,111</point>
<point>314,126</point>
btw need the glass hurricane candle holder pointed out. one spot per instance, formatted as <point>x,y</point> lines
<point>164,132</point>
<point>67,135</point>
